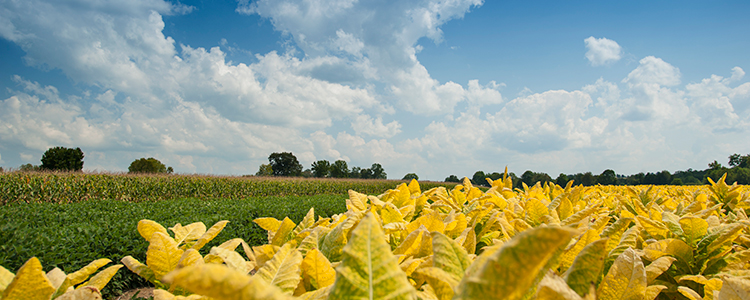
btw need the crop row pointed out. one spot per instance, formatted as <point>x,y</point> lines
<point>72,187</point>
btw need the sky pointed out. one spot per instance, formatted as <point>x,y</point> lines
<point>432,87</point>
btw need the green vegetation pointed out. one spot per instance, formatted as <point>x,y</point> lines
<point>69,236</point>
<point>62,159</point>
<point>72,187</point>
<point>148,165</point>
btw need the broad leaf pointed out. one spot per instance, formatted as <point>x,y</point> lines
<point>222,283</point>
<point>283,270</point>
<point>625,280</point>
<point>317,271</point>
<point>162,255</point>
<point>30,283</point>
<point>368,269</point>
<point>449,256</point>
<point>210,234</point>
<point>586,268</point>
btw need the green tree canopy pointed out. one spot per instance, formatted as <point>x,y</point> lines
<point>148,165</point>
<point>608,177</point>
<point>452,178</point>
<point>339,169</point>
<point>479,178</point>
<point>410,176</point>
<point>62,159</point>
<point>264,170</point>
<point>321,168</point>
<point>378,172</point>
<point>284,164</point>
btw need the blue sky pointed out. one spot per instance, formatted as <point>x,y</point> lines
<point>430,87</point>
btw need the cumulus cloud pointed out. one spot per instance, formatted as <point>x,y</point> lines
<point>366,125</point>
<point>602,51</point>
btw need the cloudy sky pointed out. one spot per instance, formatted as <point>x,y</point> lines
<point>434,87</point>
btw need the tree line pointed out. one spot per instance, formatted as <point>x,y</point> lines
<point>286,164</point>
<point>738,171</point>
<point>71,160</point>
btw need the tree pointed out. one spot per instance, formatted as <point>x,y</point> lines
<point>742,161</point>
<point>284,164</point>
<point>562,180</point>
<point>714,165</point>
<point>452,178</point>
<point>321,168</point>
<point>264,170</point>
<point>147,165</point>
<point>410,176</point>
<point>479,178</point>
<point>587,179</point>
<point>366,173</point>
<point>29,168</point>
<point>355,172</point>
<point>339,169</point>
<point>608,177</point>
<point>378,172</point>
<point>62,159</point>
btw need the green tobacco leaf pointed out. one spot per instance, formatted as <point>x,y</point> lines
<point>585,270</point>
<point>514,270</point>
<point>283,270</point>
<point>672,222</point>
<point>449,256</point>
<point>368,269</point>
<point>625,280</point>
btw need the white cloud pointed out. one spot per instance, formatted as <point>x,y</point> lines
<point>652,70</point>
<point>602,51</point>
<point>366,125</point>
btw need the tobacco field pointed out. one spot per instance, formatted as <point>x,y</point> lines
<point>417,242</point>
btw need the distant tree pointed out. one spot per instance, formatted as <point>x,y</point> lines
<point>62,159</point>
<point>587,179</point>
<point>366,173</point>
<point>562,180</point>
<point>608,177</point>
<point>452,178</point>
<point>321,168</point>
<point>714,165</point>
<point>676,181</point>
<point>339,169</point>
<point>742,161</point>
<point>29,168</point>
<point>284,164</point>
<point>170,170</point>
<point>378,172</point>
<point>264,170</point>
<point>531,178</point>
<point>307,173</point>
<point>410,176</point>
<point>147,165</point>
<point>740,175</point>
<point>479,178</point>
<point>355,172</point>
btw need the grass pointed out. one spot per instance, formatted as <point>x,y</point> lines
<point>69,236</point>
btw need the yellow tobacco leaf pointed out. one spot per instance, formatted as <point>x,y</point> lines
<point>400,196</point>
<point>84,273</point>
<point>567,257</point>
<point>264,253</point>
<point>189,257</point>
<point>694,229</point>
<point>652,291</point>
<point>672,247</point>
<point>55,276</point>
<point>162,255</point>
<point>734,288</point>
<point>138,268</point>
<point>84,293</point>
<point>317,272</point>
<point>432,221</point>
<point>210,234</point>
<point>535,210</point>
<point>284,233</point>
<point>552,287</point>
<point>160,294</point>
<point>357,201</point>
<point>712,288</point>
<point>307,222</point>
<point>414,187</point>
<point>147,228</point>
<point>672,222</point>
<point>441,282</point>
<point>30,283</point>
<point>410,264</point>
<point>565,209</point>
<point>233,259</point>
<point>320,294</point>
<point>456,225</point>
<point>449,255</point>
<point>188,234</point>
<point>5,278</point>
<point>417,244</point>
<point>270,225</point>
<point>311,241</point>
<point>390,213</point>
<point>689,293</point>
<point>368,269</point>
<point>657,267</point>
<point>626,278</point>
<point>513,271</point>
<point>468,239</point>
<point>283,270</point>
<point>656,229</point>
<point>222,283</point>
<point>334,241</point>
<point>102,278</point>
<point>586,267</point>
